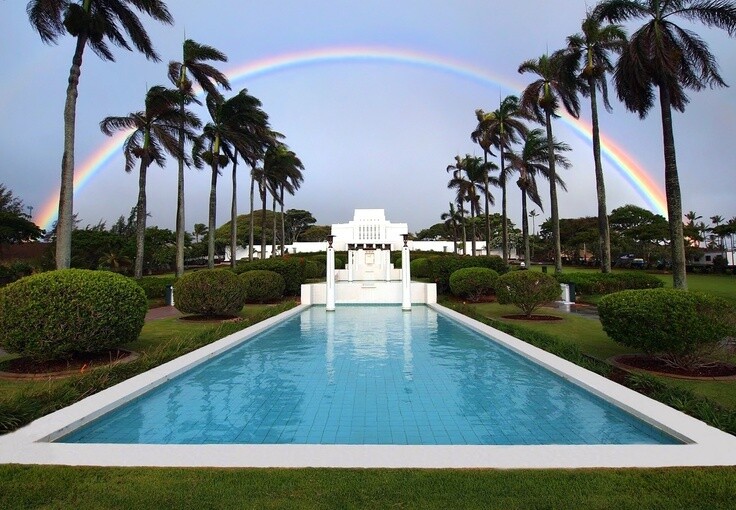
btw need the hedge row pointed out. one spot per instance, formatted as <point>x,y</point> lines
<point>154,286</point>
<point>442,267</point>
<point>472,283</point>
<point>607,283</point>
<point>291,269</point>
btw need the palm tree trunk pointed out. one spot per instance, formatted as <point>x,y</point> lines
<point>553,194</point>
<point>473,234</point>
<point>252,218</point>
<point>140,223</point>
<point>525,229</point>
<point>604,235</point>
<point>262,189</point>
<point>672,190</point>
<point>504,221</point>
<point>180,224</point>
<point>65,220</point>
<point>485,186</point>
<point>465,237</point>
<point>212,213</point>
<point>273,226</point>
<point>283,223</point>
<point>234,215</point>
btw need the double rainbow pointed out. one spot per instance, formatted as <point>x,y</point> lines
<point>624,164</point>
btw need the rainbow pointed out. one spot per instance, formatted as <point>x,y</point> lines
<point>624,164</point>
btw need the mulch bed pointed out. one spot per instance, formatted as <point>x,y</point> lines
<point>81,362</point>
<point>210,318</point>
<point>533,317</point>
<point>653,364</point>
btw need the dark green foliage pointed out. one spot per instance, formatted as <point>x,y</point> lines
<point>291,268</point>
<point>527,289</point>
<point>210,292</point>
<point>14,271</point>
<point>314,269</point>
<point>262,286</point>
<point>420,268</point>
<point>154,286</point>
<point>673,322</point>
<point>472,283</point>
<point>339,263</point>
<point>15,228</point>
<point>440,268</point>
<point>320,257</point>
<point>52,315</point>
<point>606,283</point>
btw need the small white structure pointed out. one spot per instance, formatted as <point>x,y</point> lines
<point>369,276</point>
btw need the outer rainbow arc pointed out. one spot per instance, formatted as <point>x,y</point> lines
<point>624,164</point>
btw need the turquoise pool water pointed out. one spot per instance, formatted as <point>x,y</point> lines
<point>369,375</point>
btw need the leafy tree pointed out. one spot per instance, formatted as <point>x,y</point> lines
<point>638,230</point>
<point>154,135</point>
<point>200,230</point>
<point>590,49</point>
<point>435,232</point>
<point>671,58</point>
<point>557,82</point>
<point>297,221</point>
<point>93,23</point>
<point>317,233</point>
<point>194,63</point>
<point>282,172</point>
<point>15,228</point>
<point>9,203</point>
<point>452,219</point>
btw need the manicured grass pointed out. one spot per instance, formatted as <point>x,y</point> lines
<point>131,488</point>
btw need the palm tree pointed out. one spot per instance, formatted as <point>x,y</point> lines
<point>291,180</point>
<point>155,134</point>
<point>236,126</point>
<point>451,220</point>
<point>461,185</point>
<point>557,82</point>
<point>671,58</point>
<point>93,23</point>
<point>194,62</point>
<point>500,128</point>
<point>590,49</point>
<point>200,230</point>
<point>533,160</point>
<point>477,173</point>
<point>281,173</point>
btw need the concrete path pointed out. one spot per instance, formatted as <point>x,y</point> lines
<point>162,312</point>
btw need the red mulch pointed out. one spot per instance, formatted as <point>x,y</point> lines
<point>533,317</point>
<point>653,364</point>
<point>76,363</point>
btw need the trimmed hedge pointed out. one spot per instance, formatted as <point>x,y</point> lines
<point>291,268</point>
<point>607,283</point>
<point>473,282</point>
<point>155,287</point>
<point>314,269</point>
<point>262,285</point>
<point>527,290</point>
<point>56,314</point>
<point>441,267</point>
<point>210,292</point>
<point>672,322</point>
<point>14,272</point>
<point>420,268</point>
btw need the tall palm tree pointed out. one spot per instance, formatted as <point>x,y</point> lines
<point>451,219</point>
<point>155,134</point>
<point>93,23</point>
<point>200,230</point>
<point>531,161</point>
<point>590,49</point>
<point>233,127</point>
<point>460,185</point>
<point>477,172</point>
<point>557,81</point>
<point>292,179</point>
<point>485,139</point>
<point>193,63</point>
<point>281,173</point>
<point>501,128</point>
<point>671,58</point>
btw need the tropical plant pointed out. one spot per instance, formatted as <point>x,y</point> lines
<point>154,134</point>
<point>452,219</point>
<point>200,230</point>
<point>93,23</point>
<point>557,82</point>
<point>590,50</point>
<point>671,58</point>
<point>500,128</point>
<point>533,160</point>
<point>194,63</point>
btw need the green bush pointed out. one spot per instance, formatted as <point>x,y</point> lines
<point>607,283</point>
<point>155,287</point>
<point>291,268</point>
<point>210,292</point>
<point>55,314</point>
<point>339,263</point>
<point>527,290</point>
<point>320,257</point>
<point>14,271</point>
<point>674,323</point>
<point>441,267</point>
<point>314,269</point>
<point>420,268</point>
<point>472,282</point>
<point>262,285</point>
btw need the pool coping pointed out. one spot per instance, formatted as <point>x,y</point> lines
<point>705,445</point>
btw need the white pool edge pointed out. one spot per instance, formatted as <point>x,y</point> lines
<point>707,446</point>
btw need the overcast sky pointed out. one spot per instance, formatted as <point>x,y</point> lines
<point>373,134</point>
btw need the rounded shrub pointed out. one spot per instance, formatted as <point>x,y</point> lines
<point>56,314</point>
<point>473,282</point>
<point>420,268</point>
<point>210,292</point>
<point>339,263</point>
<point>155,286</point>
<point>262,285</point>
<point>673,322</point>
<point>314,269</point>
<point>527,290</point>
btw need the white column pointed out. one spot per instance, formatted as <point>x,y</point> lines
<point>351,262</point>
<point>330,278</point>
<point>387,263</point>
<point>405,278</point>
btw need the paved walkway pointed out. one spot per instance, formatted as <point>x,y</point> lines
<point>162,312</point>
